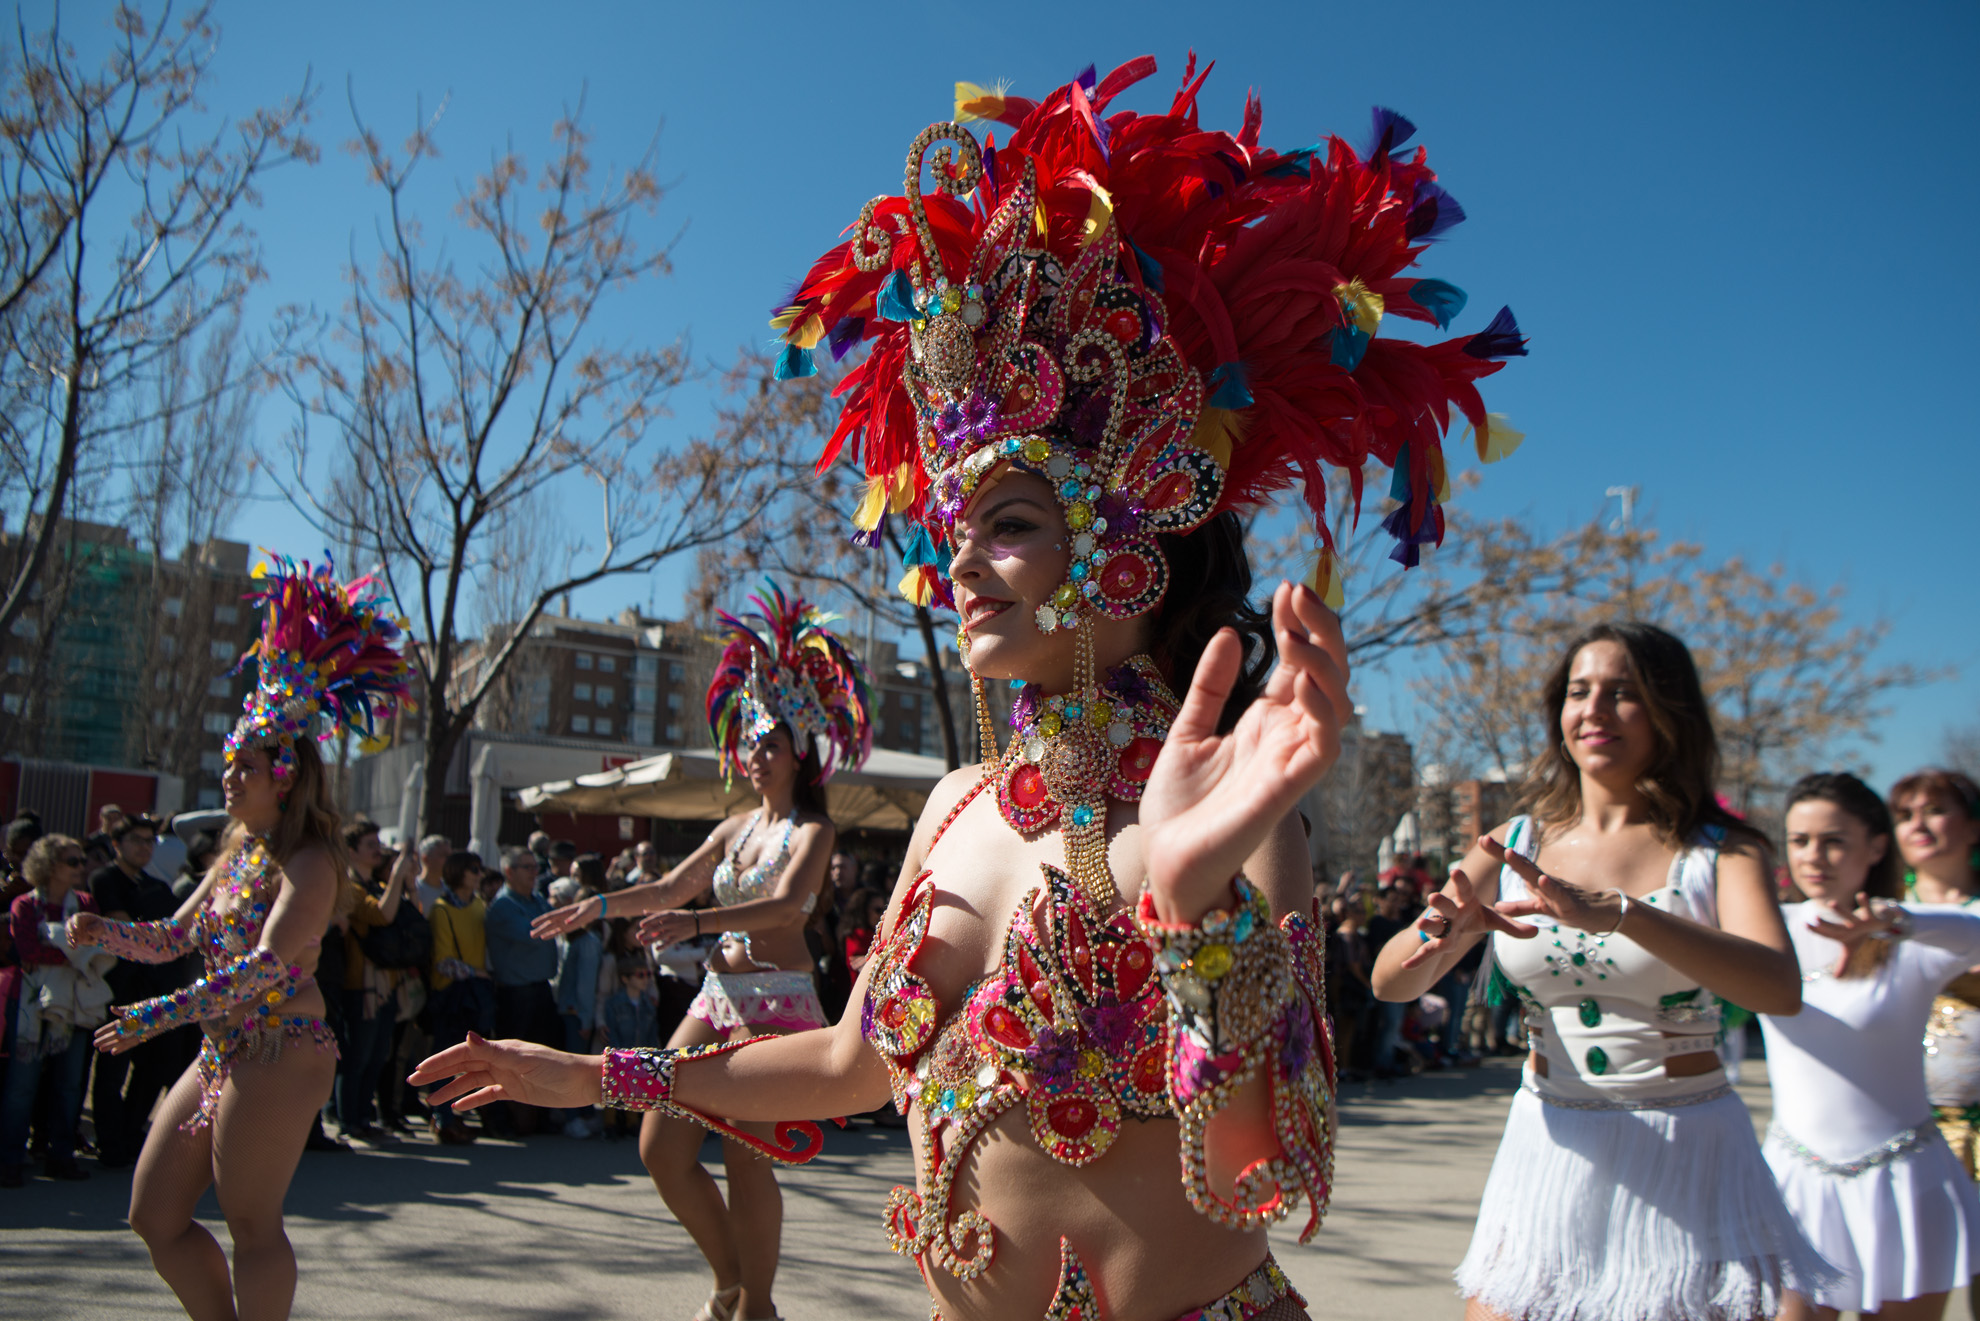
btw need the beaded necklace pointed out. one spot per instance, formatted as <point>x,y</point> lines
<point>1072,752</point>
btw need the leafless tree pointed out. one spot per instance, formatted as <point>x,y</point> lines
<point>121,235</point>
<point>1789,681</point>
<point>192,470</point>
<point>452,394</point>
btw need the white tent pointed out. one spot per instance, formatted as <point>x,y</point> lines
<point>886,793</point>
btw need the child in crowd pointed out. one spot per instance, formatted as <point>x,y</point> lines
<point>631,1019</point>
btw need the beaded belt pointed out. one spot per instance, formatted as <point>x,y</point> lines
<point>1899,1145</point>
<point>1665,1103</point>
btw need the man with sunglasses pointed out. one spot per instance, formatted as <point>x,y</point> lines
<point>128,1085</point>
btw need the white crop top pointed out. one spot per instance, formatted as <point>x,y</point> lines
<point>1601,1010</point>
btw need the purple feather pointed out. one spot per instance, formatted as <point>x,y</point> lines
<point>1387,131</point>
<point>1088,78</point>
<point>1433,213</point>
<point>869,540</point>
<point>844,335</point>
<point>1501,339</point>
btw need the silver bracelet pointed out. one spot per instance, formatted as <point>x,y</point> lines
<point>1619,916</point>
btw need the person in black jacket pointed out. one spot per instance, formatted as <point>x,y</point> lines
<point>128,1085</point>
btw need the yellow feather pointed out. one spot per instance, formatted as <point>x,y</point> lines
<point>807,335</point>
<point>974,102</point>
<point>788,317</point>
<point>902,494</point>
<point>1500,438</point>
<point>1218,431</point>
<point>1365,308</point>
<point>915,587</point>
<point>1440,477</point>
<point>1325,579</point>
<point>1099,213</point>
<point>871,505</point>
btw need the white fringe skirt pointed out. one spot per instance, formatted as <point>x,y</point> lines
<point>1635,1215</point>
<point>1897,1229</point>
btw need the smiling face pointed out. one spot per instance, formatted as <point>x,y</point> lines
<point>251,792</point>
<point>1830,851</point>
<point>1934,832</point>
<point>1605,721</point>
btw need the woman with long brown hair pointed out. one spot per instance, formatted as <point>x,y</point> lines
<point>1859,1161</point>
<point>1628,1184</point>
<point>237,1120</point>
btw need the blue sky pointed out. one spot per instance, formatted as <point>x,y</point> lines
<point>1733,232</point>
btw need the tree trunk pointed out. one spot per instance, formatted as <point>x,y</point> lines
<point>951,747</point>
<point>444,730</point>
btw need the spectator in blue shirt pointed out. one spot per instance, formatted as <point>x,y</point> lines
<point>524,968</point>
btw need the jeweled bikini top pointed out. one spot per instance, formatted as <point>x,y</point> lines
<point>1072,1025</point>
<point>759,880</point>
<point>247,890</point>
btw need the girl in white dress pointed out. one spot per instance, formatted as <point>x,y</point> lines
<point>1629,1185</point>
<point>1860,1163</point>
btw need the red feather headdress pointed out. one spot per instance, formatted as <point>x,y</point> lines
<point>1162,320</point>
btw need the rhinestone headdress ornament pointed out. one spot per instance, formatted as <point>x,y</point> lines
<point>329,658</point>
<point>782,665</point>
<point>1160,320</point>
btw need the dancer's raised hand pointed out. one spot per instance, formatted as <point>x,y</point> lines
<point>1455,914</point>
<point>1213,798</point>
<point>479,1071</point>
<point>1551,897</point>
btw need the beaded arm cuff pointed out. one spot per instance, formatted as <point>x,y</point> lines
<point>642,1078</point>
<point>258,975</point>
<point>147,942</point>
<point>1247,996</point>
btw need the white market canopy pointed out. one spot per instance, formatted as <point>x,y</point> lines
<point>887,793</point>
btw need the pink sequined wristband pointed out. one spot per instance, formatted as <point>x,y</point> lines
<point>637,1079</point>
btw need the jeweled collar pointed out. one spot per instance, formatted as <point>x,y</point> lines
<point>1073,751</point>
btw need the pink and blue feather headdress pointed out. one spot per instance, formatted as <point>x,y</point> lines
<point>782,665</point>
<point>329,657</point>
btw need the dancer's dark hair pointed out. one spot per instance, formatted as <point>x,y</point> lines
<point>1210,589</point>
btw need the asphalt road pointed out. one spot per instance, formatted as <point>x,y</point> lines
<point>554,1229</point>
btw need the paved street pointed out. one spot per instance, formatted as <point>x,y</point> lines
<point>555,1229</point>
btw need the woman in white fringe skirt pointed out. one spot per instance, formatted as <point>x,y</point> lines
<point>1629,1185</point>
<point>1861,1164</point>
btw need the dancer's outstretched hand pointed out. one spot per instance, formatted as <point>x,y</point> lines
<point>570,917</point>
<point>1214,798</point>
<point>482,1071</point>
<point>1549,896</point>
<point>1451,917</point>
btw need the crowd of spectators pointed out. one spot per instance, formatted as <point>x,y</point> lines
<point>1457,1024</point>
<point>432,942</point>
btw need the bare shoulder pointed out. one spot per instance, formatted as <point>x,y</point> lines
<point>949,791</point>
<point>310,870</point>
<point>816,826</point>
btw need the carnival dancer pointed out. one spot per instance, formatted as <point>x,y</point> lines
<point>1860,1163</point>
<point>788,706</point>
<point>1629,1185</point>
<point>237,1119</point>
<point>1098,991</point>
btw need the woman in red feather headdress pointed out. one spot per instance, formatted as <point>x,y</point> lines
<point>1097,994</point>
<point>328,659</point>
